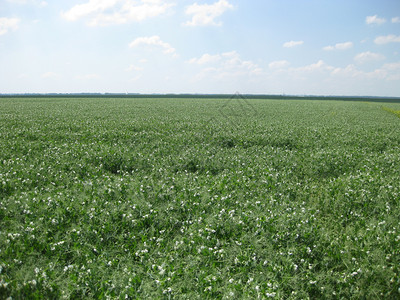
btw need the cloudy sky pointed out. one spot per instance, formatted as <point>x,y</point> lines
<point>320,47</point>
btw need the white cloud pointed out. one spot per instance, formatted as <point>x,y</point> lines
<point>134,68</point>
<point>318,66</point>
<point>389,72</point>
<point>301,74</point>
<point>205,58</point>
<point>292,44</point>
<point>106,12</point>
<point>392,66</point>
<point>396,20</point>
<point>391,38</point>
<point>339,46</point>
<point>393,71</point>
<point>322,78</point>
<point>368,56</point>
<point>88,77</point>
<point>36,2</point>
<point>310,78</point>
<point>7,24</point>
<point>136,78</point>
<point>279,64</point>
<point>204,14</point>
<point>329,48</point>
<point>233,62</point>
<point>49,75</point>
<point>229,65</point>
<point>374,20</point>
<point>153,41</point>
<point>89,8</point>
<point>351,72</point>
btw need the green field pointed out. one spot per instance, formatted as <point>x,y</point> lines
<point>199,199</point>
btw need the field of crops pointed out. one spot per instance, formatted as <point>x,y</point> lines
<point>199,199</point>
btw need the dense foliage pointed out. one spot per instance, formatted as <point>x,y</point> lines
<point>199,198</point>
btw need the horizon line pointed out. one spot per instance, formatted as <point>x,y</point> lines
<point>195,94</point>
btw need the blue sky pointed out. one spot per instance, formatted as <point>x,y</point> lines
<point>320,47</point>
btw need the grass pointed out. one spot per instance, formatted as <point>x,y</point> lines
<point>198,199</point>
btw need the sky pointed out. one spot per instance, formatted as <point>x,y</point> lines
<point>293,47</point>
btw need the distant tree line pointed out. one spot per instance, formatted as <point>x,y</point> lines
<point>205,96</point>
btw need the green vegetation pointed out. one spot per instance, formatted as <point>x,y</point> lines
<point>198,199</point>
<point>393,111</point>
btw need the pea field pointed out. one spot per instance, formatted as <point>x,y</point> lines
<point>192,198</point>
